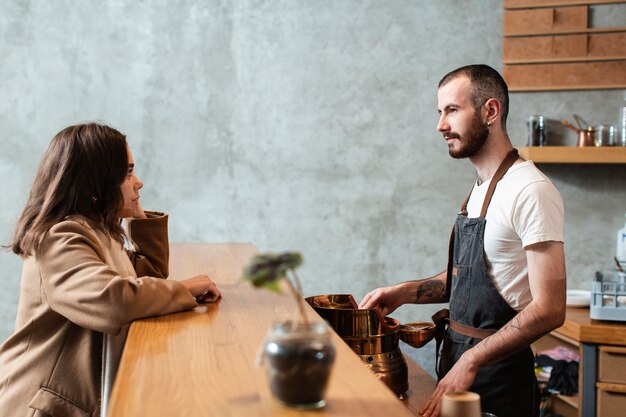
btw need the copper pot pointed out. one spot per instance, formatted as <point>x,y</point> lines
<point>373,337</point>
<point>345,317</point>
<point>586,136</point>
<point>366,330</point>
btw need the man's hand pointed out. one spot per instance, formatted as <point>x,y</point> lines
<point>424,291</point>
<point>387,299</point>
<point>459,378</point>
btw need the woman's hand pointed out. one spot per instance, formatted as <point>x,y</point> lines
<point>202,288</point>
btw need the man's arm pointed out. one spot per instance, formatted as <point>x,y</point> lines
<point>425,291</point>
<point>546,312</point>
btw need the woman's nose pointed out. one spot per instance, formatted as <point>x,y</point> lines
<point>139,184</point>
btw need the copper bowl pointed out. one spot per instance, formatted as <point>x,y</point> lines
<point>417,334</point>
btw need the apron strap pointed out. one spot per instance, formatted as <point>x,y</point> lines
<point>440,319</point>
<point>446,293</point>
<point>471,331</point>
<point>502,169</point>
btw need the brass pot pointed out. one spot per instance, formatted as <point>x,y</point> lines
<point>366,330</point>
<point>344,315</point>
<point>391,368</point>
<point>587,137</point>
<point>373,337</point>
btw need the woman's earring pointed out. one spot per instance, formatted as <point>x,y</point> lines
<point>94,200</point>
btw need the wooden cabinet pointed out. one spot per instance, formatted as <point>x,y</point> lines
<point>575,154</point>
<point>611,386</point>
<point>549,45</point>
<point>602,380</point>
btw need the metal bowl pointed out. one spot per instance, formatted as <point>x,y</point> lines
<point>343,315</point>
<point>417,334</point>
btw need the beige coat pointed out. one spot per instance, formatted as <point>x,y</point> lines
<point>80,286</point>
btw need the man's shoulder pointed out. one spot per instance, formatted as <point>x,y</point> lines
<point>526,174</point>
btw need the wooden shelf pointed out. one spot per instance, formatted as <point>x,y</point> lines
<point>521,88</point>
<point>559,60</point>
<point>575,155</point>
<point>561,32</point>
<point>524,4</point>
<point>570,399</point>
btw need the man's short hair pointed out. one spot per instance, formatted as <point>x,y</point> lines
<point>486,83</point>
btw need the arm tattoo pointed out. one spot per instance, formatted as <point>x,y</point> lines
<point>430,291</point>
<point>515,323</point>
<point>513,337</point>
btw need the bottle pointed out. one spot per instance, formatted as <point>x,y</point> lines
<point>620,253</point>
<point>622,125</point>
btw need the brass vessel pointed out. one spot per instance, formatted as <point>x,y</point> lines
<point>373,337</point>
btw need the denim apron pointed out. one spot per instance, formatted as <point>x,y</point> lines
<point>477,310</point>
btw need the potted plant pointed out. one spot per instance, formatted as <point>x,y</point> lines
<point>298,354</point>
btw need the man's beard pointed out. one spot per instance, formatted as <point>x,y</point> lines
<point>474,139</point>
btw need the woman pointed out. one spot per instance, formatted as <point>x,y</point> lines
<point>80,287</point>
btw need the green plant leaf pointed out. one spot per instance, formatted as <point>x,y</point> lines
<point>265,270</point>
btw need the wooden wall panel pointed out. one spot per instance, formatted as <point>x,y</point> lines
<point>527,48</point>
<point>570,46</point>
<point>587,75</point>
<point>570,18</point>
<point>521,22</point>
<point>548,45</point>
<point>607,44</point>
<point>527,76</point>
<point>520,4</point>
<point>541,21</point>
<point>544,48</point>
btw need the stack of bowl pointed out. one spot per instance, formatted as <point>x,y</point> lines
<point>373,337</point>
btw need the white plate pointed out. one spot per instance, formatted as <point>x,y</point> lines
<point>578,298</point>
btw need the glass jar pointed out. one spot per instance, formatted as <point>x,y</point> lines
<point>299,360</point>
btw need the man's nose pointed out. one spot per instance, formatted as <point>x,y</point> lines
<point>442,126</point>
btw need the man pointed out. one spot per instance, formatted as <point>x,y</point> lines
<point>505,279</point>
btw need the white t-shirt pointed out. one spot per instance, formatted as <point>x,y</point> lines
<point>525,209</point>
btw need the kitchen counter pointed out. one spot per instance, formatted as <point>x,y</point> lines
<point>578,326</point>
<point>203,362</point>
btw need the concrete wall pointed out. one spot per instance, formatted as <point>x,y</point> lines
<point>295,125</point>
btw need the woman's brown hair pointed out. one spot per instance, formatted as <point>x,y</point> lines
<point>80,174</point>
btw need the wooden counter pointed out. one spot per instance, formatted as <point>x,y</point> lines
<point>578,326</point>
<point>202,362</point>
